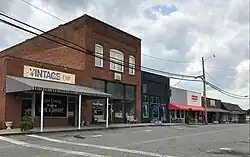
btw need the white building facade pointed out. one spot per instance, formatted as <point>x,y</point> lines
<point>185,103</point>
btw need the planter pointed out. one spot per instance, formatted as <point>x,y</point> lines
<point>8,124</point>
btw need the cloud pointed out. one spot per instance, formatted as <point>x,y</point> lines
<point>172,30</point>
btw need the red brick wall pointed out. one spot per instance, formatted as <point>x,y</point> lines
<point>54,56</point>
<point>2,96</point>
<point>108,37</point>
<point>13,105</point>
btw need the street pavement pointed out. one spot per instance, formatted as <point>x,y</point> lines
<point>226,140</point>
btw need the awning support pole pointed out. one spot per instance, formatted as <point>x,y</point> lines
<point>79,111</point>
<point>41,125</point>
<point>107,113</point>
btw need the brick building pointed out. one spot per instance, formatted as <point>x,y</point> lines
<point>23,69</point>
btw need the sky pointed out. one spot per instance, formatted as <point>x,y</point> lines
<point>175,35</point>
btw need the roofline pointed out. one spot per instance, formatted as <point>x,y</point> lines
<point>84,16</point>
<point>211,98</point>
<point>185,90</point>
<point>115,28</point>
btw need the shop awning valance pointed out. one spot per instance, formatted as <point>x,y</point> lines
<point>185,107</point>
<point>217,110</point>
<point>19,84</point>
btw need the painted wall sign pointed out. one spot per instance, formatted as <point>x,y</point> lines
<point>49,75</point>
<point>212,103</point>
<point>193,98</point>
<point>54,105</point>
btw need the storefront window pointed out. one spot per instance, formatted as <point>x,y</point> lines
<point>99,104</point>
<point>117,91</point>
<point>154,100</point>
<point>178,113</point>
<point>182,113</point>
<point>54,106</point>
<point>98,85</point>
<point>145,106</point>
<point>130,101</point>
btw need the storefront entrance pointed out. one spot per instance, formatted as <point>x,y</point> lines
<point>26,107</point>
<point>155,112</point>
<point>72,103</point>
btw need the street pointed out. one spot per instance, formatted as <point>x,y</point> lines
<point>223,140</point>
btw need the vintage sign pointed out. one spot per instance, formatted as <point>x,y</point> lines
<point>53,105</point>
<point>49,75</point>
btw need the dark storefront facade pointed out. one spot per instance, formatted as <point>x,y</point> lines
<point>236,114</point>
<point>214,111</point>
<point>155,97</point>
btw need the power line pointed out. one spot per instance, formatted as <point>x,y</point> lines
<point>174,61</point>
<point>43,10</point>
<point>177,83</point>
<point>225,69</point>
<point>83,49</point>
<point>226,93</point>
<point>117,60</point>
<point>18,31</point>
<point>167,60</point>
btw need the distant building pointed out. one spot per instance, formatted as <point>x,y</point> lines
<point>184,103</point>
<point>236,114</point>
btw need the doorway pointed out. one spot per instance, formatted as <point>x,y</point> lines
<point>72,102</point>
<point>26,107</point>
<point>155,112</point>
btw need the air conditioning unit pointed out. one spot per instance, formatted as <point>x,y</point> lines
<point>118,76</point>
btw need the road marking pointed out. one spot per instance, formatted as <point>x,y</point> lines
<point>140,131</point>
<point>24,144</point>
<point>8,146</point>
<point>176,137</point>
<point>228,149</point>
<point>94,136</point>
<point>102,147</point>
<point>148,130</point>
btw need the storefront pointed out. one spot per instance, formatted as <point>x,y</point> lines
<point>185,103</point>
<point>55,93</point>
<point>236,114</point>
<point>215,114</point>
<point>121,105</point>
<point>155,97</point>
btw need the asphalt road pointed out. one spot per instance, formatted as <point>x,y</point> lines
<point>175,141</point>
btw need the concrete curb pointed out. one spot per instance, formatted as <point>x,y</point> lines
<point>86,129</point>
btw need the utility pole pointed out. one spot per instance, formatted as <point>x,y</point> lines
<point>204,89</point>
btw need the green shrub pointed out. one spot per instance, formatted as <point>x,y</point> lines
<point>27,123</point>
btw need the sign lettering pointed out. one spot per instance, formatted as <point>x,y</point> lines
<point>50,75</point>
<point>54,105</point>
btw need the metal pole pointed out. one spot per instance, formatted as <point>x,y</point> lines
<point>107,113</point>
<point>204,89</point>
<point>41,125</point>
<point>79,111</point>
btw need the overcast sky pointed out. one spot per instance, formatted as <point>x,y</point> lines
<point>172,30</point>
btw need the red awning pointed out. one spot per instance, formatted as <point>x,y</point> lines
<point>185,107</point>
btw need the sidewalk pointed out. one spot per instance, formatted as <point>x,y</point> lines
<point>17,131</point>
